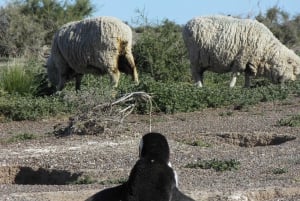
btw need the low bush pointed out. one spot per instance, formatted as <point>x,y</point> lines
<point>160,52</point>
<point>279,170</point>
<point>21,137</point>
<point>217,165</point>
<point>172,97</point>
<point>292,121</point>
<point>17,107</point>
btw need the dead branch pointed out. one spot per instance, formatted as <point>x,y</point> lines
<point>105,116</point>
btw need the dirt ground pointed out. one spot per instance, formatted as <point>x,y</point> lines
<point>44,169</point>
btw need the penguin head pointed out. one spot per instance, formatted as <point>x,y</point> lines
<point>155,147</point>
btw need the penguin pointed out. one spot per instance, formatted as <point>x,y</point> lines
<point>117,193</point>
<point>151,178</point>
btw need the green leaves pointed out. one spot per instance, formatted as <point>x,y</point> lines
<point>172,97</point>
<point>16,107</point>
<point>292,121</point>
<point>160,52</point>
<point>31,24</point>
<point>217,165</point>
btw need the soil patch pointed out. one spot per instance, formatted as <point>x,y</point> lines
<point>268,155</point>
<point>255,139</point>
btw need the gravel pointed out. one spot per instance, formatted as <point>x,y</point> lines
<point>31,170</point>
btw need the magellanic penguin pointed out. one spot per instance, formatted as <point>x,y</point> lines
<point>151,179</point>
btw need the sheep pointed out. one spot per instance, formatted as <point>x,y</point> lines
<point>96,46</point>
<point>224,44</point>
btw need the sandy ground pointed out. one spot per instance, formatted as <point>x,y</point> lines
<point>44,169</point>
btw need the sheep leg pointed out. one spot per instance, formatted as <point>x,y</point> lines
<point>78,78</point>
<point>199,81</point>
<point>247,80</point>
<point>130,59</point>
<point>249,71</point>
<point>197,75</point>
<point>61,83</point>
<point>115,77</point>
<point>233,79</point>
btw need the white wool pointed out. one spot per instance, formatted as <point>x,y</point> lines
<point>225,44</point>
<point>96,42</point>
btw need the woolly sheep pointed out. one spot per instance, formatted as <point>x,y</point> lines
<point>96,46</point>
<point>225,44</point>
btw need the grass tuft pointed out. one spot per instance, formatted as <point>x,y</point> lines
<point>293,121</point>
<point>279,170</point>
<point>217,165</point>
<point>84,180</point>
<point>113,181</point>
<point>15,79</point>
<point>197,143</point>
<point>19,138</point>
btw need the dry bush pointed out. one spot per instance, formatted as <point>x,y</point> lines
<point>102,118</point>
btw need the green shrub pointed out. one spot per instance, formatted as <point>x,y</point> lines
<point>285,28</point>
<point>279,170</point>
<point>113,181</point>
<point>197,143</point>
<point>21,137</point>
<point>172,97</point>
<point>293,121</point>
<point>83,180</point>
<point>17,107</point>
<point>160,52</point>
<point>168,97</point>
<point>29,25</point>
<point>217,165</point>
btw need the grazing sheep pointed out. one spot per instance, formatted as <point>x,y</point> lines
<point>96,46</point>
<point>225,44</point>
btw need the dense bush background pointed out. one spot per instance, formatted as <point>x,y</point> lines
<point>27,26</point>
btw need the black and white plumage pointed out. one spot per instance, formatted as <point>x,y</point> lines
<point>151,178</point>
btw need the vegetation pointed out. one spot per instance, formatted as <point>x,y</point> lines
<point>197,143</point>
<point>285,28</point>
<point>159,53</point>
<point>19,138</point>
<point>18,107</point>
<point>293,121</point>
<point>86,179</point>
<point>19,77</point>
<point>113,181</point>
<point>170,97</point>
<point>279,170</point>
<point>27,25</point>
<point>217,165</point>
